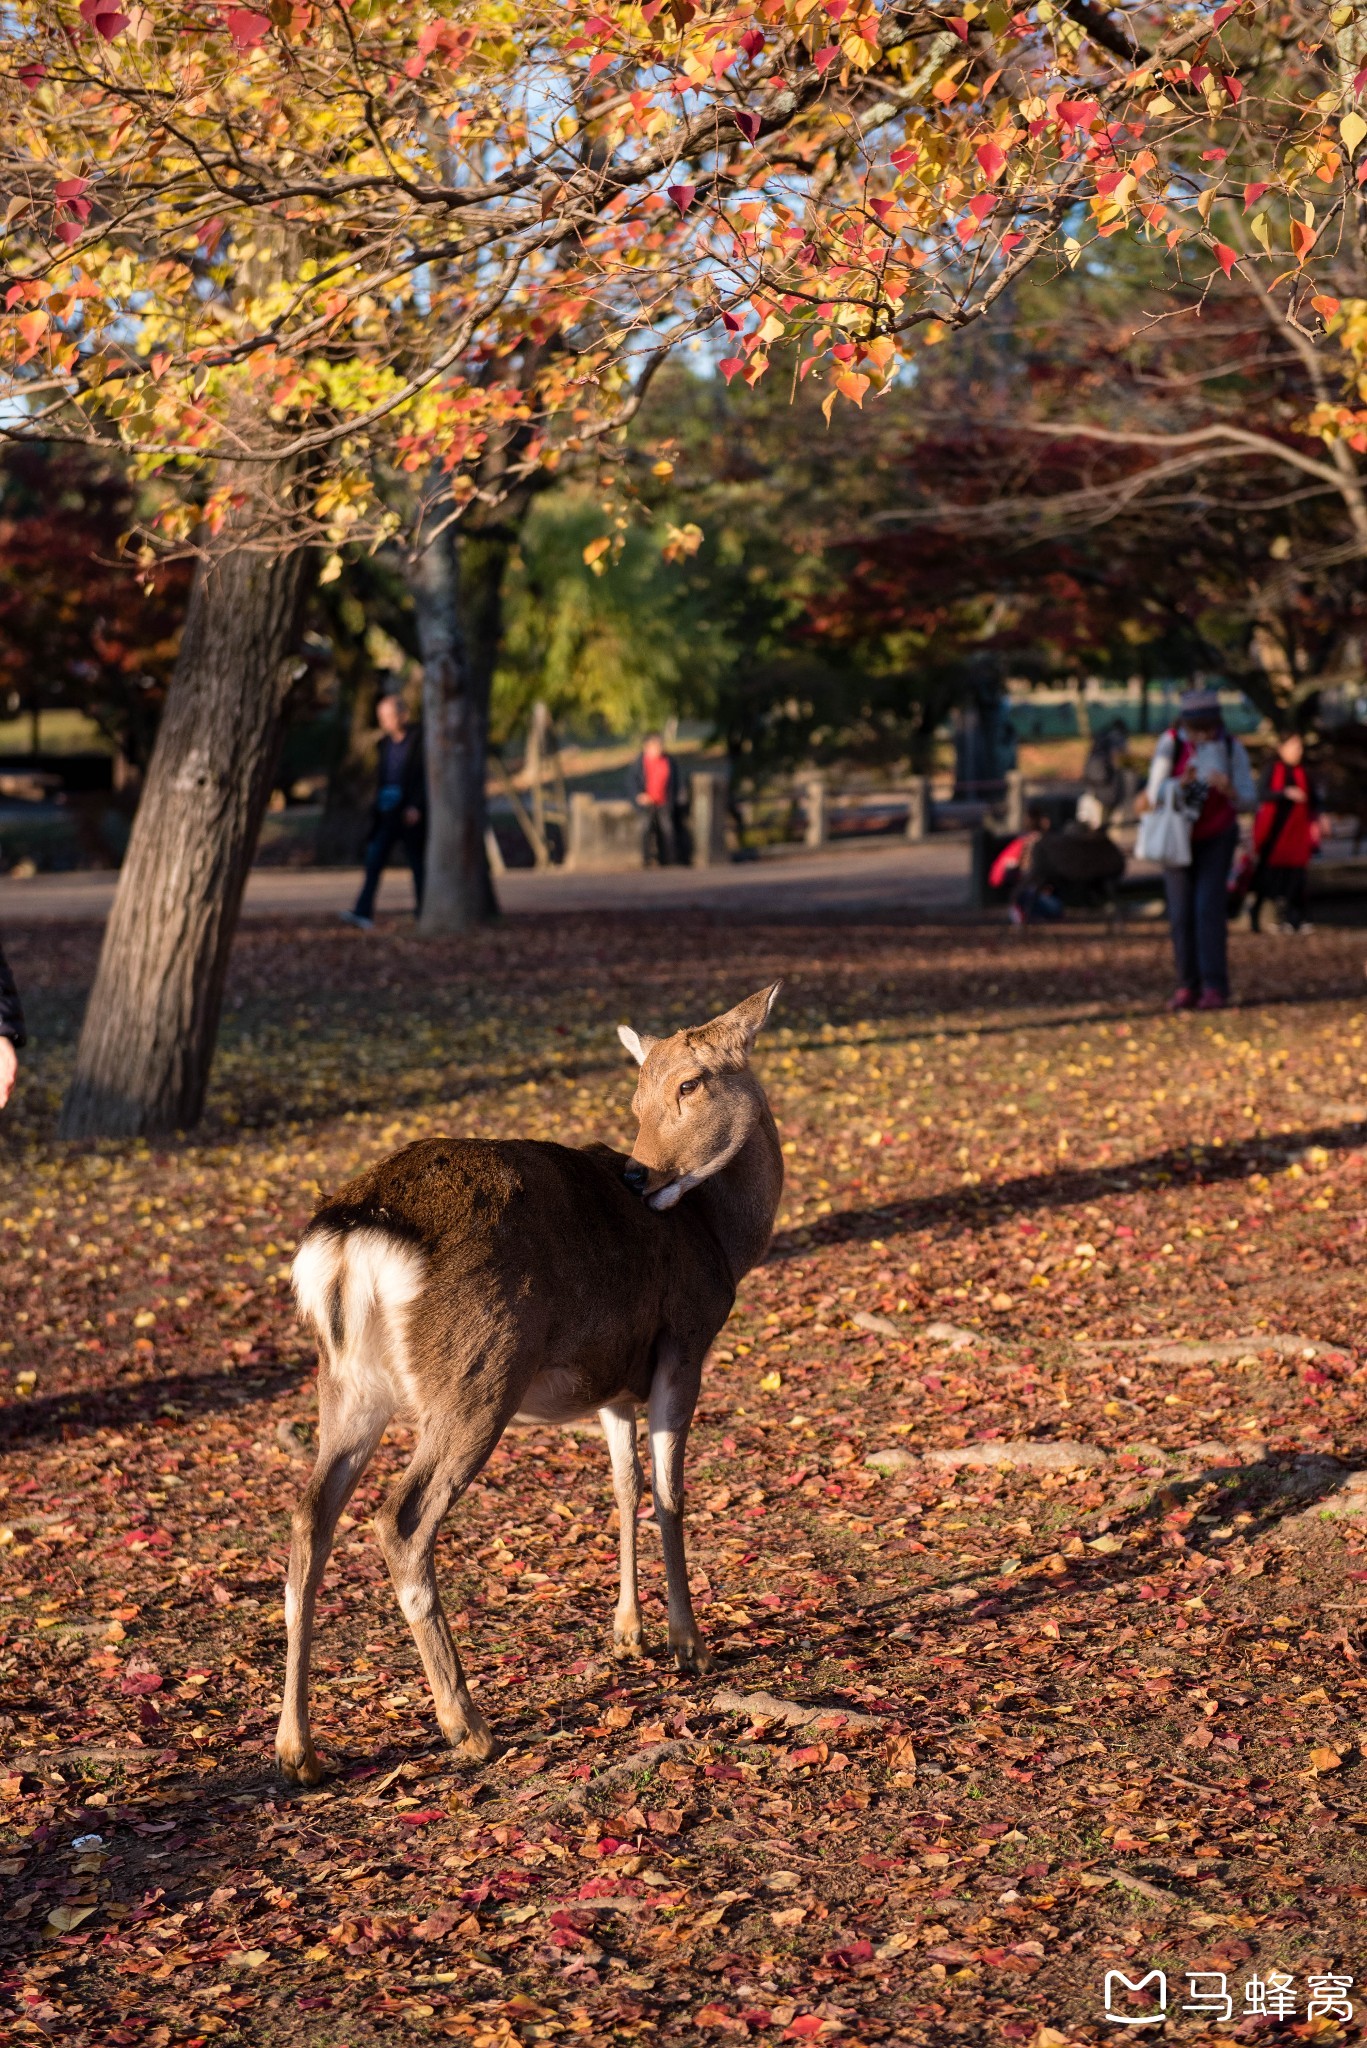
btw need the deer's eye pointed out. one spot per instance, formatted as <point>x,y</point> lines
<point>687,1087</point>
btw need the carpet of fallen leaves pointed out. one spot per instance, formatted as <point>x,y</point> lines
<point>1105,1710</point>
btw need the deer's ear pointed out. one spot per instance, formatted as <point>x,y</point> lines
<point>743,1024</point>
<point>638,1047</point>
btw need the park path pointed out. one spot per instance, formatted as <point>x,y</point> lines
<point>889,875</point>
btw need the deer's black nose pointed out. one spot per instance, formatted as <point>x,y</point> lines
<point>635,1175</point>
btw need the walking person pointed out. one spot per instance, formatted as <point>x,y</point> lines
<point>1202,769</point>
<point>1285,835</point>
<point>11,1030</point>
<point>654,787</point>
<point>399,811</point>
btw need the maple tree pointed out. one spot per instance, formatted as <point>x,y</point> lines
<point>77,628</point>
<point>429,252</point>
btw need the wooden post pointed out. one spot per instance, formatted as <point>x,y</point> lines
<point>709,819</point>
<point>918,808</point>
<point>979,891</point>
<point>583,833</point>
<point>815,786</point>
<point>1015,801</point>
<point>536,752</point>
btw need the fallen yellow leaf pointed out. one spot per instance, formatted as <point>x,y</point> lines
<point>64,1918</point>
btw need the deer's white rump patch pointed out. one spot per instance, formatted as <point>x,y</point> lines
<point>356,1287</point>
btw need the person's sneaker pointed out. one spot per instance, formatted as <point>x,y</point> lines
<point>362,924</point>
<point>1211,999</point>
<point>1183,1000</point>
<point>1017,914</point>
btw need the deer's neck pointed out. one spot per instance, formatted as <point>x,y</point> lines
<point>741,1202</point>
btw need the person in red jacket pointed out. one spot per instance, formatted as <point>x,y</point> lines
<point>1285,835</point>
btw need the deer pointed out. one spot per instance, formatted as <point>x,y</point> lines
<point>466,1284</point>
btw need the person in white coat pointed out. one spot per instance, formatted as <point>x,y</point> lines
<point>1214,782</point>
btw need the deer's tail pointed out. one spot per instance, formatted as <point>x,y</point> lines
<point>355,1288</point>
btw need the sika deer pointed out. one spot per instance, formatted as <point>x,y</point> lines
<point>465,1283</point>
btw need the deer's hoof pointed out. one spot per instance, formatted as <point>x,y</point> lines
<point>627,1645</point>
<point>475,1740</point>
<point>301,1766</point>
<point>692,1657</point>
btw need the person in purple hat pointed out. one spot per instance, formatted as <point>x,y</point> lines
<point>1213,784</point>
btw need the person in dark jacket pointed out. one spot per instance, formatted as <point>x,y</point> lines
<point>1105,774</point>
<point>653,785</point>
<point>11,1030</point>
<point>399,811</point>
<point>1285,835</point>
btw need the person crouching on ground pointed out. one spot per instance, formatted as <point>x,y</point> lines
<point>1215,783</point>
<point>1285,835</point>
<point>1031,901</point>
<point>399,811</point>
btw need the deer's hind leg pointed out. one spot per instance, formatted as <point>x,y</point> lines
<point>349,1428</point>
<point>408,1525</point>
<point>619,1427</point>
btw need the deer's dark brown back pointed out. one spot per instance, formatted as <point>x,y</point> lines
<point>530,1251</point>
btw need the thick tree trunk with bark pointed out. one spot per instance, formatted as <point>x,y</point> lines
<point>147,1043</point>
<point>450,596</point>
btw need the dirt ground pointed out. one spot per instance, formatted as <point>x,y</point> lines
<point>1086,1698</point>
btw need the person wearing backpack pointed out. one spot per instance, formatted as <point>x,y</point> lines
<point>1201,771</point>
<point>1285,835</point>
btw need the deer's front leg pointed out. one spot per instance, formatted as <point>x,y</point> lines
<point>619,1427</point>
<point>673,1396</point>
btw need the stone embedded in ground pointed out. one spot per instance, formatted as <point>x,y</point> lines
<point>1216,1351</point>
<point>1312,1475</point>
<point>1349,1498</point>
<point>764,1706</point>
<point>1216,1453</point>
<point>1063,1454</point>
<point>1339,1496</point>
<point>292,1437</point>
<point>877,1326</point>
<point>895,1460</point>
<point>1165,1902</point>
<point>953,1336</point>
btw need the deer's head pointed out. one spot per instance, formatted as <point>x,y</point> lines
<point>696,1100</point>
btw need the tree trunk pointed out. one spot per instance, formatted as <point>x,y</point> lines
<point>147,1043</point>
<point>458,633</point>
